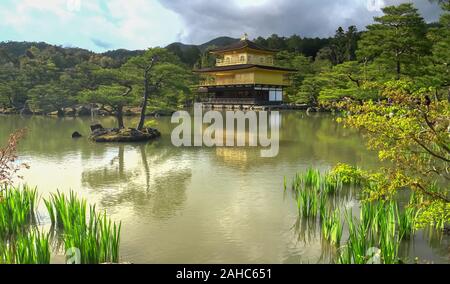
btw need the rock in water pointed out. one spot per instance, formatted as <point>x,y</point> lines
<point>83,111</point>
<point>76,134</point>
<point>69,112</point>
<point>153,132</point>
<point>96,127</point>
<point>124,135</point>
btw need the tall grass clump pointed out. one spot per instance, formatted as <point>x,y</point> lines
<point>96,236</point>
<point>310,189</point>
<point>29,248</point>
<point>20,241</point>
<point>308,203</point>
<point>374,238</point>
<point>406,222</point>
<point>358,244</point>
<point>332,227</point>
<point>17,210</point>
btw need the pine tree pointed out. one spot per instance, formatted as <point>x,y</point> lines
<point>397,40</point>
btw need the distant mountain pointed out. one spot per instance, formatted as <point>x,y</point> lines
<point>17,49</point>
<point>11,51</point>
<point>190,53</point>
<point>218,42</point>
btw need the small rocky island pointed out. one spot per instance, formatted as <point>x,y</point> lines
<point>116,135</point>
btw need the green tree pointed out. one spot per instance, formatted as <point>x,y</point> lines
<point>207,59</point>
<point>349,80</point>
<point>115,90</point>
<point>50,97</point>
<point>115,96</point>
<point>339,47</point>
<point>439,69</point>
<point>410,129</point>
<point>294,44</point>
<point>12,87</point>
<point>396,41</point>
<point>159,70</point>
<point>304,68</point>
<point>352,36</point>
<point>276,42</point>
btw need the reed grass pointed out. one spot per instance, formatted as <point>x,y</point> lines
<point>29,248</point>
<point>376,230</point>
<point>310,189</point>
<point>374,237</point>
<point>332,228</point>
<point>96,236</point>
<point>357,246</point>
<point>308,203</point>
<point>17,210</point>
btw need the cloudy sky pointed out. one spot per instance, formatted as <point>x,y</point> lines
<point>101,25</point>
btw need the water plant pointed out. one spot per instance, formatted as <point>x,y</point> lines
<point>358,244</point>
<point>406,222</point>
<point>374,238</point>
<point>312,178</point>
<point>29,248</point>
<point>310,189</point>
<point>95,235</point>
<point>308,203</point>
<point>332,227</point>
<point>17,210</point>
<point>348,175</point>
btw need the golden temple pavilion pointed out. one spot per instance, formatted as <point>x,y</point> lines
<point>245,74</point>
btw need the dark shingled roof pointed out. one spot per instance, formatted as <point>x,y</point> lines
<point>241,45</point>
<point>241,67</point>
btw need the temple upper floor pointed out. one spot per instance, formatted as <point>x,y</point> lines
<point>244,52</point>
<point>234,58</point>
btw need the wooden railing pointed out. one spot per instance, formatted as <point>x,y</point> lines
<point>231,101</point>
<point>236,61</point>
<point>224,82</point>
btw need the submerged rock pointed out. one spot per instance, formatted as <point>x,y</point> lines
<point>312,109</point>
<point>96,127</point>
<point>69,112</point>
<point>103,135</point>
<point>83,111</point>
<point>53,113</point>
<point>76,134</point>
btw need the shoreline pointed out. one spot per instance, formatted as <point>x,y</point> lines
<point>134,112</point>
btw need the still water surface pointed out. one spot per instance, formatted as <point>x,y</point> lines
<point>198,205</point>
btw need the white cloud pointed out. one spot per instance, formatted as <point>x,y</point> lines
<point>138,24</point>
<point>132,24</point>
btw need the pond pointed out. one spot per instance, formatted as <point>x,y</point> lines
<point>199,204</point>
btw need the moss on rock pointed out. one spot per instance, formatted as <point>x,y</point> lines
<point>115,135</point>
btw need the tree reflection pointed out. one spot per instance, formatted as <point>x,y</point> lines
<point>143,176</point>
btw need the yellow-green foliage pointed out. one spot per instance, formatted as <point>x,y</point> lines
<point>409,128</point>
<point>437,213</point>
<point>349,174</point>
<point>150,123</point>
